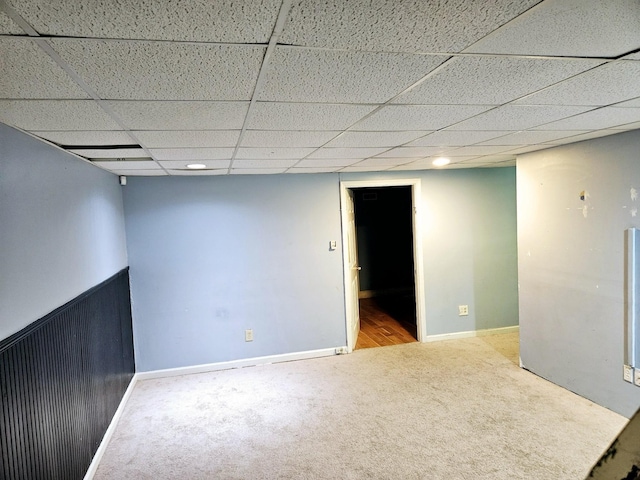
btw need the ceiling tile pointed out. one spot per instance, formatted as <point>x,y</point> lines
<point>305,116</point>
<point>230,21</point>
<point>121,165</point>
<point>606,117</point>
<point>313,170</point>
<point>257,171</point>
<point>508,163</point>
<point>633,56</point>
<point>182,164</point>
<point>198,173</point>
<point>529,148</point>
<point>163,71</point>
<point>84,137</point>
<point>110,153</point>
<point>8,26</point>
<point>491,79</point>
<point>409,152</point>
<point>192,153</point>
<point>309,75</point>
<point>581,28</point>
<point>384,162</point>
<point>55,115</point>
<point>286,138</point>
<point>187,138</point>
<point>627,126</point>
<point>181,115</point>
<point>629,103</point>
<point>273,152</point>
<point>263,163</point>
<point>389,25</point>
<point>609,83</point>
<point>374,139</point>
<point>326,162</point>
<point>584,136</point>
<point>477,150</point>
<point>418,117</point>
<point>346,152</point>
<point>454,138</point>
<point>28,72</point>
<point>531,136</point>
<point>518,117</point>
<point>364,169</point>
<point>140,173</point>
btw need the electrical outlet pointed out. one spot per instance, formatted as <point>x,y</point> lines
<point>628,373</point>
<point>636,380</point>
<point>248,335</point>
<point>463,310</point>
<point>341,350</point>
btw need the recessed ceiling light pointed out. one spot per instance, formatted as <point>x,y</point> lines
<point>441,162</point>
<point>196,166</point>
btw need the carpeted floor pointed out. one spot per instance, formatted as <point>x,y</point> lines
<point>458,409</point>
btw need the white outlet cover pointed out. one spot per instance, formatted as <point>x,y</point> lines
<point>628,374</point>
<point>636,380</point>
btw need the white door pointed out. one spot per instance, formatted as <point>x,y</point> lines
<point>353,309</point>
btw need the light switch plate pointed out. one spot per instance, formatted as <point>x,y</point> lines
<point>636,380</point>
<point>333,245</point>
<point>628,374</point>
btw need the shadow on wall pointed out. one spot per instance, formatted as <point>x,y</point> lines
<point>622,458</point>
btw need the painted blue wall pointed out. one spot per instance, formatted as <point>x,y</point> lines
<point>571,264</point>
<point>213,256</point>
<point>61,228</point>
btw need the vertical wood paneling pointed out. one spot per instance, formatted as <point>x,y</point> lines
<point>61,381</point>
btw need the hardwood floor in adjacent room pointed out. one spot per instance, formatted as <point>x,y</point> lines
<point>386,321</point>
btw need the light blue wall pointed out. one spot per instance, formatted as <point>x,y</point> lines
<point>213,256</point>
<point>571,264</point>
<point>61,229</point>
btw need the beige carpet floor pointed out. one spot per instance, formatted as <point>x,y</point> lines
<point>458,409</point>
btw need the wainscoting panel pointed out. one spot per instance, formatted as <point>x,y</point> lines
<point>61,381</point>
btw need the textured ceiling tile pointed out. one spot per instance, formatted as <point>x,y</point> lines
<point>55,115</point>
<point>327,162</point>
<point>188,138</point>
<point>181,115</point>
<point>306,75</point>
<point>454,138</point>
<point>28,72</point>
<point>84,137</point>
<point>198,173</point>
<point>633,56</point>
<point>518,117</point>
<point>140,173</point>
<point>257,171</point>
<point>286,138</point>
<point>606,117</point>
<point>230,21</point>
<point>478,150</point>
<point>302,116</point>
<point>384,162</point>
<point>274,152</point>
<point>630,103</point>
<point>610,83</point>
<point>531,136</point>
<point>390,25</point>
<point>264,163</point>
<point>110,153</point>
<point>418,117</point>
<point>491,79</point>
<point>371,168</point>
<point>313,170</point>
<point>628,126</point>
<point>127,165</point>
<point>163,71</point>
<point>594,28</point>
<point>192,153</point>
<point>346,152</point>
<point>374,139</point>
<point>182,164</point>
<point>407,152</point>
<point>585,136</point>
<point>8,26</point>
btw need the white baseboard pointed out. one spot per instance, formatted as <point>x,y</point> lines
<point>110,430</point>
<point>247,362</point>
<point>473,333</point>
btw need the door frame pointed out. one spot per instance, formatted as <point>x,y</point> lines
<point>418,264</point>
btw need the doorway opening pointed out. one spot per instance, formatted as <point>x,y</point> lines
<point>383,267</point>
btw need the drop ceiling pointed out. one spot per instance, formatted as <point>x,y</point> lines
<point>146,87</point>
